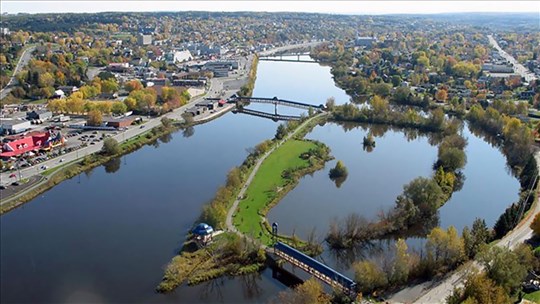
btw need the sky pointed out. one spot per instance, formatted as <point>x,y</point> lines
<point>334,7</point>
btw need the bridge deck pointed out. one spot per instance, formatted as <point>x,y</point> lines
<point>276,100</point>
<point>314,267</point>
<point>268,115</point>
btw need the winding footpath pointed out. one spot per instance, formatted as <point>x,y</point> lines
<point>232,210</point>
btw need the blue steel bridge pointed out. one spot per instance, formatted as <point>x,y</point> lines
<point>315,268</point>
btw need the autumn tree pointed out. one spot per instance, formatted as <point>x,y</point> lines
<point>281,132</point>
<point>309,292</point>
<point>369,276</point>
<point>535,225</point>
<point>504,267</point>
<point>339,170</point>
<point>401,264</point>
<point>133,85</point>
<point>479,289</point>
<point>441,95</point>
<point>110,146</point>
<point>444,248</point>
<point>95,118</point>
<point>118,108</point>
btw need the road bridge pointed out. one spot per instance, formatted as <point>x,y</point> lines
<point>287,58</point>
<point>315,268</point>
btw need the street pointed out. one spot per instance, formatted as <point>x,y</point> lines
<point>518,67</point>
<point>23,61</point>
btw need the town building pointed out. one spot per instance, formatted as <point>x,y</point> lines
<point>143,39</point>
<point>39,114</point>
<point>19,145</point>
<point>13,126</point>
<point>189,82</point>
<point>221,68</point>
<point>118,67</point>
<point>497,68</point>
<point>366,42</point>
<point>178,56</point>
<point>120,122</point>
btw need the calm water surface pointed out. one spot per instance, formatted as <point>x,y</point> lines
<point>106,235</point>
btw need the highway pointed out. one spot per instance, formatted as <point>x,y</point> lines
<point>23,61</point>
<point>518,67</point>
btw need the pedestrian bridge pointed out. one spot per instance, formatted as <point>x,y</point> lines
<point>274,117</point>
<point>275,101</point>
<point>315,268</point>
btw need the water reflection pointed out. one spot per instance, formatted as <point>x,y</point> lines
<point>188,132</point>
<point>113,165</point>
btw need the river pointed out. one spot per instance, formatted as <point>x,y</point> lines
<point>105,236</point>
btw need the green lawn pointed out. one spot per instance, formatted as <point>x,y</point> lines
<point>535,297</point>
<point>263,189</point>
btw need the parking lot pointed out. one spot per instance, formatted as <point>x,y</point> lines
<point>74,140</point>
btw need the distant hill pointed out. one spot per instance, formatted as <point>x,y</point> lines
<point>514,21</point>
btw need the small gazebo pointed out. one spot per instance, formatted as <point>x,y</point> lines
<point>203,232</point>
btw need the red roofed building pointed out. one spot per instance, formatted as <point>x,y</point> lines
<point>30,142</point>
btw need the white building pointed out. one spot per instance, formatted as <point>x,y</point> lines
<point>178,56</point>
<point>13,126</point>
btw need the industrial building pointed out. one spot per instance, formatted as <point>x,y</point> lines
<point>13,126</point>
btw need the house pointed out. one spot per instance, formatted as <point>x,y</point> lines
<point>59,94</point>
<point>39,114</point>
<point>13,126</point>
<point>68,90</point>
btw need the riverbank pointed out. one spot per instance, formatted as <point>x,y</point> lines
<point>89,162</point>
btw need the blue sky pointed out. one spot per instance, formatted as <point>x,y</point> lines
<point>339,7</point>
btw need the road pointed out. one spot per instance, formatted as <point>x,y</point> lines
<point>518,67</point>
<point>436,292</point>
<point>229,221</point>
<point>23,61</point>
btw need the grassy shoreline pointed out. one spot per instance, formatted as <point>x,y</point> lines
<point>284,167</point>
